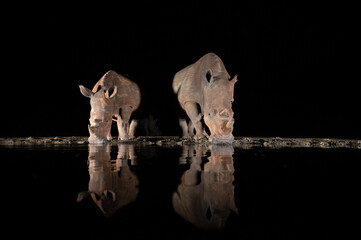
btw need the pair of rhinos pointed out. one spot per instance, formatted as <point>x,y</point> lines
<point>204,91</point>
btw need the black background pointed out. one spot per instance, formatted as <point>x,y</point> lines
<point>295,73</point>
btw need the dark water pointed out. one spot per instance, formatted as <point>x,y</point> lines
<point>145,192</point>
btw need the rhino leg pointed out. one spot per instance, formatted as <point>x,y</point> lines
<point>109,136</point>
<point>190,129</point>
<point>195,116</point>
<point>123,135</point>
<point>132,128</point>
<point>184,126</point>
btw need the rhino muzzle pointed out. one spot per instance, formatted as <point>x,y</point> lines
<point>222,131</point>
<point>96,135</point>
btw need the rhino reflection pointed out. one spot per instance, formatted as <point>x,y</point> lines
<point>206,197</point>
<point>112,184</point>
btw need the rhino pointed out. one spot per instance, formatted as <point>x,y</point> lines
<point>113,95</point>
<point>204,90</point>
<point>112,185</point>
<point>205,196</point>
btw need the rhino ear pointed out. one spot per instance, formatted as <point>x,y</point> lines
<point>85,91</point>
<point>232,82</point>
<point>209,77</point>
<point>115,90</point>
<point>82,195</point>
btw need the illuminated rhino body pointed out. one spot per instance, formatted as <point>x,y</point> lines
<point>113,95</point>
<point>204,90</point>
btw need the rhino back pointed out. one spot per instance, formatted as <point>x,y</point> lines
<point>128,92</point>
<point>188,82</point>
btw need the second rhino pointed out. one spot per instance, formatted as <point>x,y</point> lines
<point>205,90</point>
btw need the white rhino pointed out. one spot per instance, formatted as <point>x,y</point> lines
<point>112,185</point>
<point>204,89</point>
<point>205,197</point>
<point>113,92</point>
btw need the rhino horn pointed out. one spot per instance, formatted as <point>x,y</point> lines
<point>224,113</point>
<point>91,129</point>
<point>230,123</point>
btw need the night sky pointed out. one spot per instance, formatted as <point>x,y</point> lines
<point>294,77</point>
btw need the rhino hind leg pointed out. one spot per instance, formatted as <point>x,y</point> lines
<point>195,116</point>
<point>132,128</point>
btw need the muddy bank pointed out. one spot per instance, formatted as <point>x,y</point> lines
<point>240,142</point>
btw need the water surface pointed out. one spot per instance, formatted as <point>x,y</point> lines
<point>134,191</point>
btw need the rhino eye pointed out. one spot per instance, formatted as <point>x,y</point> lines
<point>212,113</point>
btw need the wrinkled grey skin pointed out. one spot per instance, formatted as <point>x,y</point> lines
<point>113,95</point>
<point>112,185</point>
<point>205,197</point>
<point>204,89</point>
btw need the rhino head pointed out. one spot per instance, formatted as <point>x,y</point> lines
<point>101,113</point>
<point>218,114</point>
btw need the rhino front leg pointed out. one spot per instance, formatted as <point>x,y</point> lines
<point>126,112</point>
<point>195,116</point>
<point>109,136</point>
<point>190,129</point>
<point>184,126</point>
<point>123,135</point>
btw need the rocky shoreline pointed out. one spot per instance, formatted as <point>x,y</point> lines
<point>239,142</point>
